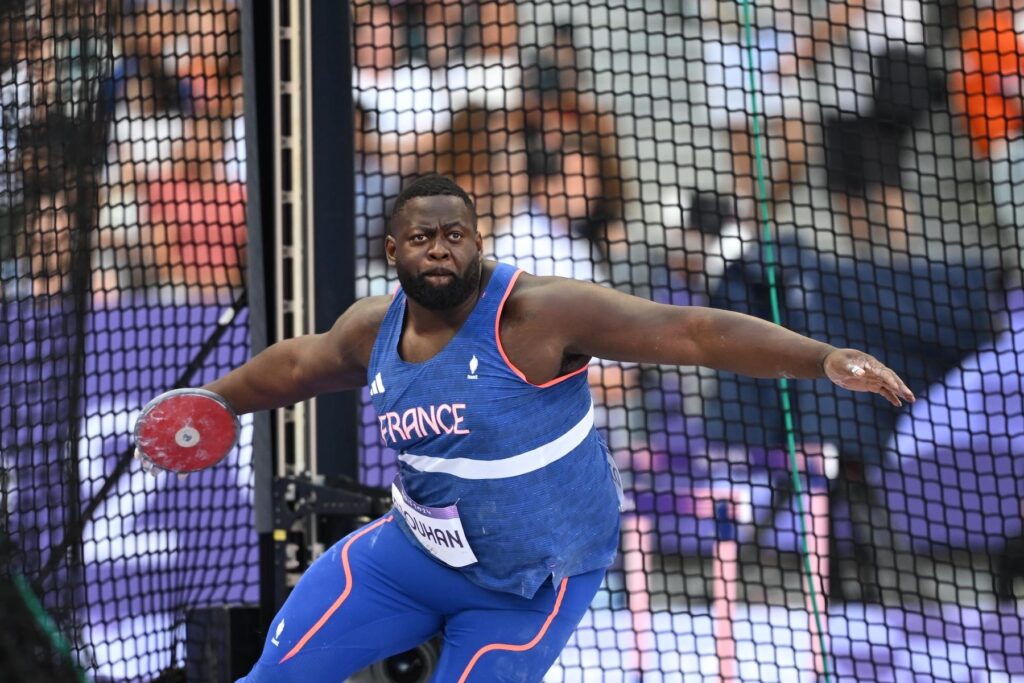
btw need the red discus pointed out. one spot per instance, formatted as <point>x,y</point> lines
<point>186,430</point>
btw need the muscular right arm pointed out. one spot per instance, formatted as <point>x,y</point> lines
<point>297,369</point>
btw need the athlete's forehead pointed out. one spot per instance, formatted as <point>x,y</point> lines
<point>433,211</point>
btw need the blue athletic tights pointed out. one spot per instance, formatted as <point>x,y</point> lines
<point>375,594</point>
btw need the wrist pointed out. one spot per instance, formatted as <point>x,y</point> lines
<point>825,353</point>
<point>213,388</point>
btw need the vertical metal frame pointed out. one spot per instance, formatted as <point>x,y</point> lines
<point>290,212</point>
<point>299,133</point>
<point>332,183</point>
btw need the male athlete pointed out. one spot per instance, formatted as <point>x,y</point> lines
<point>506,508</point>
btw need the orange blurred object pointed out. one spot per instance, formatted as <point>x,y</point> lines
<point>987,92</point>
<point>204,227</point>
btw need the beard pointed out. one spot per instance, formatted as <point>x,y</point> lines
<point>441,297</point>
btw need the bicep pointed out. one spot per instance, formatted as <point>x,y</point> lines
<point>604,323</point>
<point>337,360</point>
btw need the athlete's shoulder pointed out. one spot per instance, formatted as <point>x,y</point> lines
<point>358,326</point>
<point>548,291</point>
<point>367,314</point>
<point>354,332</point>
<point>372,306</point>
<point>544,302</point>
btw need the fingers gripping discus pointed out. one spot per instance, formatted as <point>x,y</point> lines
<point>186,430</point>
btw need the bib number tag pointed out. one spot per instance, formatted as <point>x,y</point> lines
<point>439,530</point>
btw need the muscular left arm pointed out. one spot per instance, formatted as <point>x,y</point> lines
<point>600,322</point>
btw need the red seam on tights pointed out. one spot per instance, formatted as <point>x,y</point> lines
<point>344,594</point>
<point>518,648</point>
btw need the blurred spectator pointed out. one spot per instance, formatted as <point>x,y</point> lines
<point>987,91</point>
<point>847,43</point>
<point>558,63</point>
<point>870,103</point>
<point>587,130</point>
<point>811,68</point>
<point>212,69</point>
<point>490,75</point>
<point>785,86</point>
<point>144,130</point>
<point>49,226</point>
<point>148,38</point>
<point>986,95</point>
<point>403,103</point>
<point>207,57</point>
<point>863,159</point>
<point>172,217</point>
<point>37,82</point>
<point>701,239</point>
<point>54,151</point>
<point>484,151</point>
<point>439,24</point>
<point>558,233</point>
<point>148,31</point>
<point>376,46</point>
<point>571,133</point>
<point>198,234</point>
<point>552,80</point>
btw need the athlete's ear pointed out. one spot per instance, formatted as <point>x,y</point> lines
<point>479,240</point>
<point>390,247</point>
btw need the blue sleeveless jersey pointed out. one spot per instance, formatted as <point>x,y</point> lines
<point>532,480</point>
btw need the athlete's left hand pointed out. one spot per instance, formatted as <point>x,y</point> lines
<point>859,371</point>
<point>149,467</point>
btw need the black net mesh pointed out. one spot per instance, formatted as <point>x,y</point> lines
<point>881,143</point>
<point>122,231</point>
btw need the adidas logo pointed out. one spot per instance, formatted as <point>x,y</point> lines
<point>473,364</point>
<point>377,385</point>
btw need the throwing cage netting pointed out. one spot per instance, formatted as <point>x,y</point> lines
<point>852,170</point>
<point>122,231</point>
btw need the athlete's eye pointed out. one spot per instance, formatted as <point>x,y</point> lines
<point>455,235</point>
<point>418,239</point>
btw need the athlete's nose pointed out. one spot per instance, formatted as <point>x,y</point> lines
<point>438,249</point>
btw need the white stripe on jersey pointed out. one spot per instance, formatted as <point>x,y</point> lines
<point>512,466</point>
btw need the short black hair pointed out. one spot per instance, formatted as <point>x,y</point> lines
<point>431,185</point>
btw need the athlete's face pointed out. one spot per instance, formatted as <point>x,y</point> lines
<point>436,251</point>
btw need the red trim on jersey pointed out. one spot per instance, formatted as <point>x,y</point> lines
<point>511,366</point>
<point>344,594</point>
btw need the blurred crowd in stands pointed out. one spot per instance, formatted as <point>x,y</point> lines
<point>126,117</point>
<point>889,161</point>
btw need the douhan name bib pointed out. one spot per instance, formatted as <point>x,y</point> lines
<point>439,530</point>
